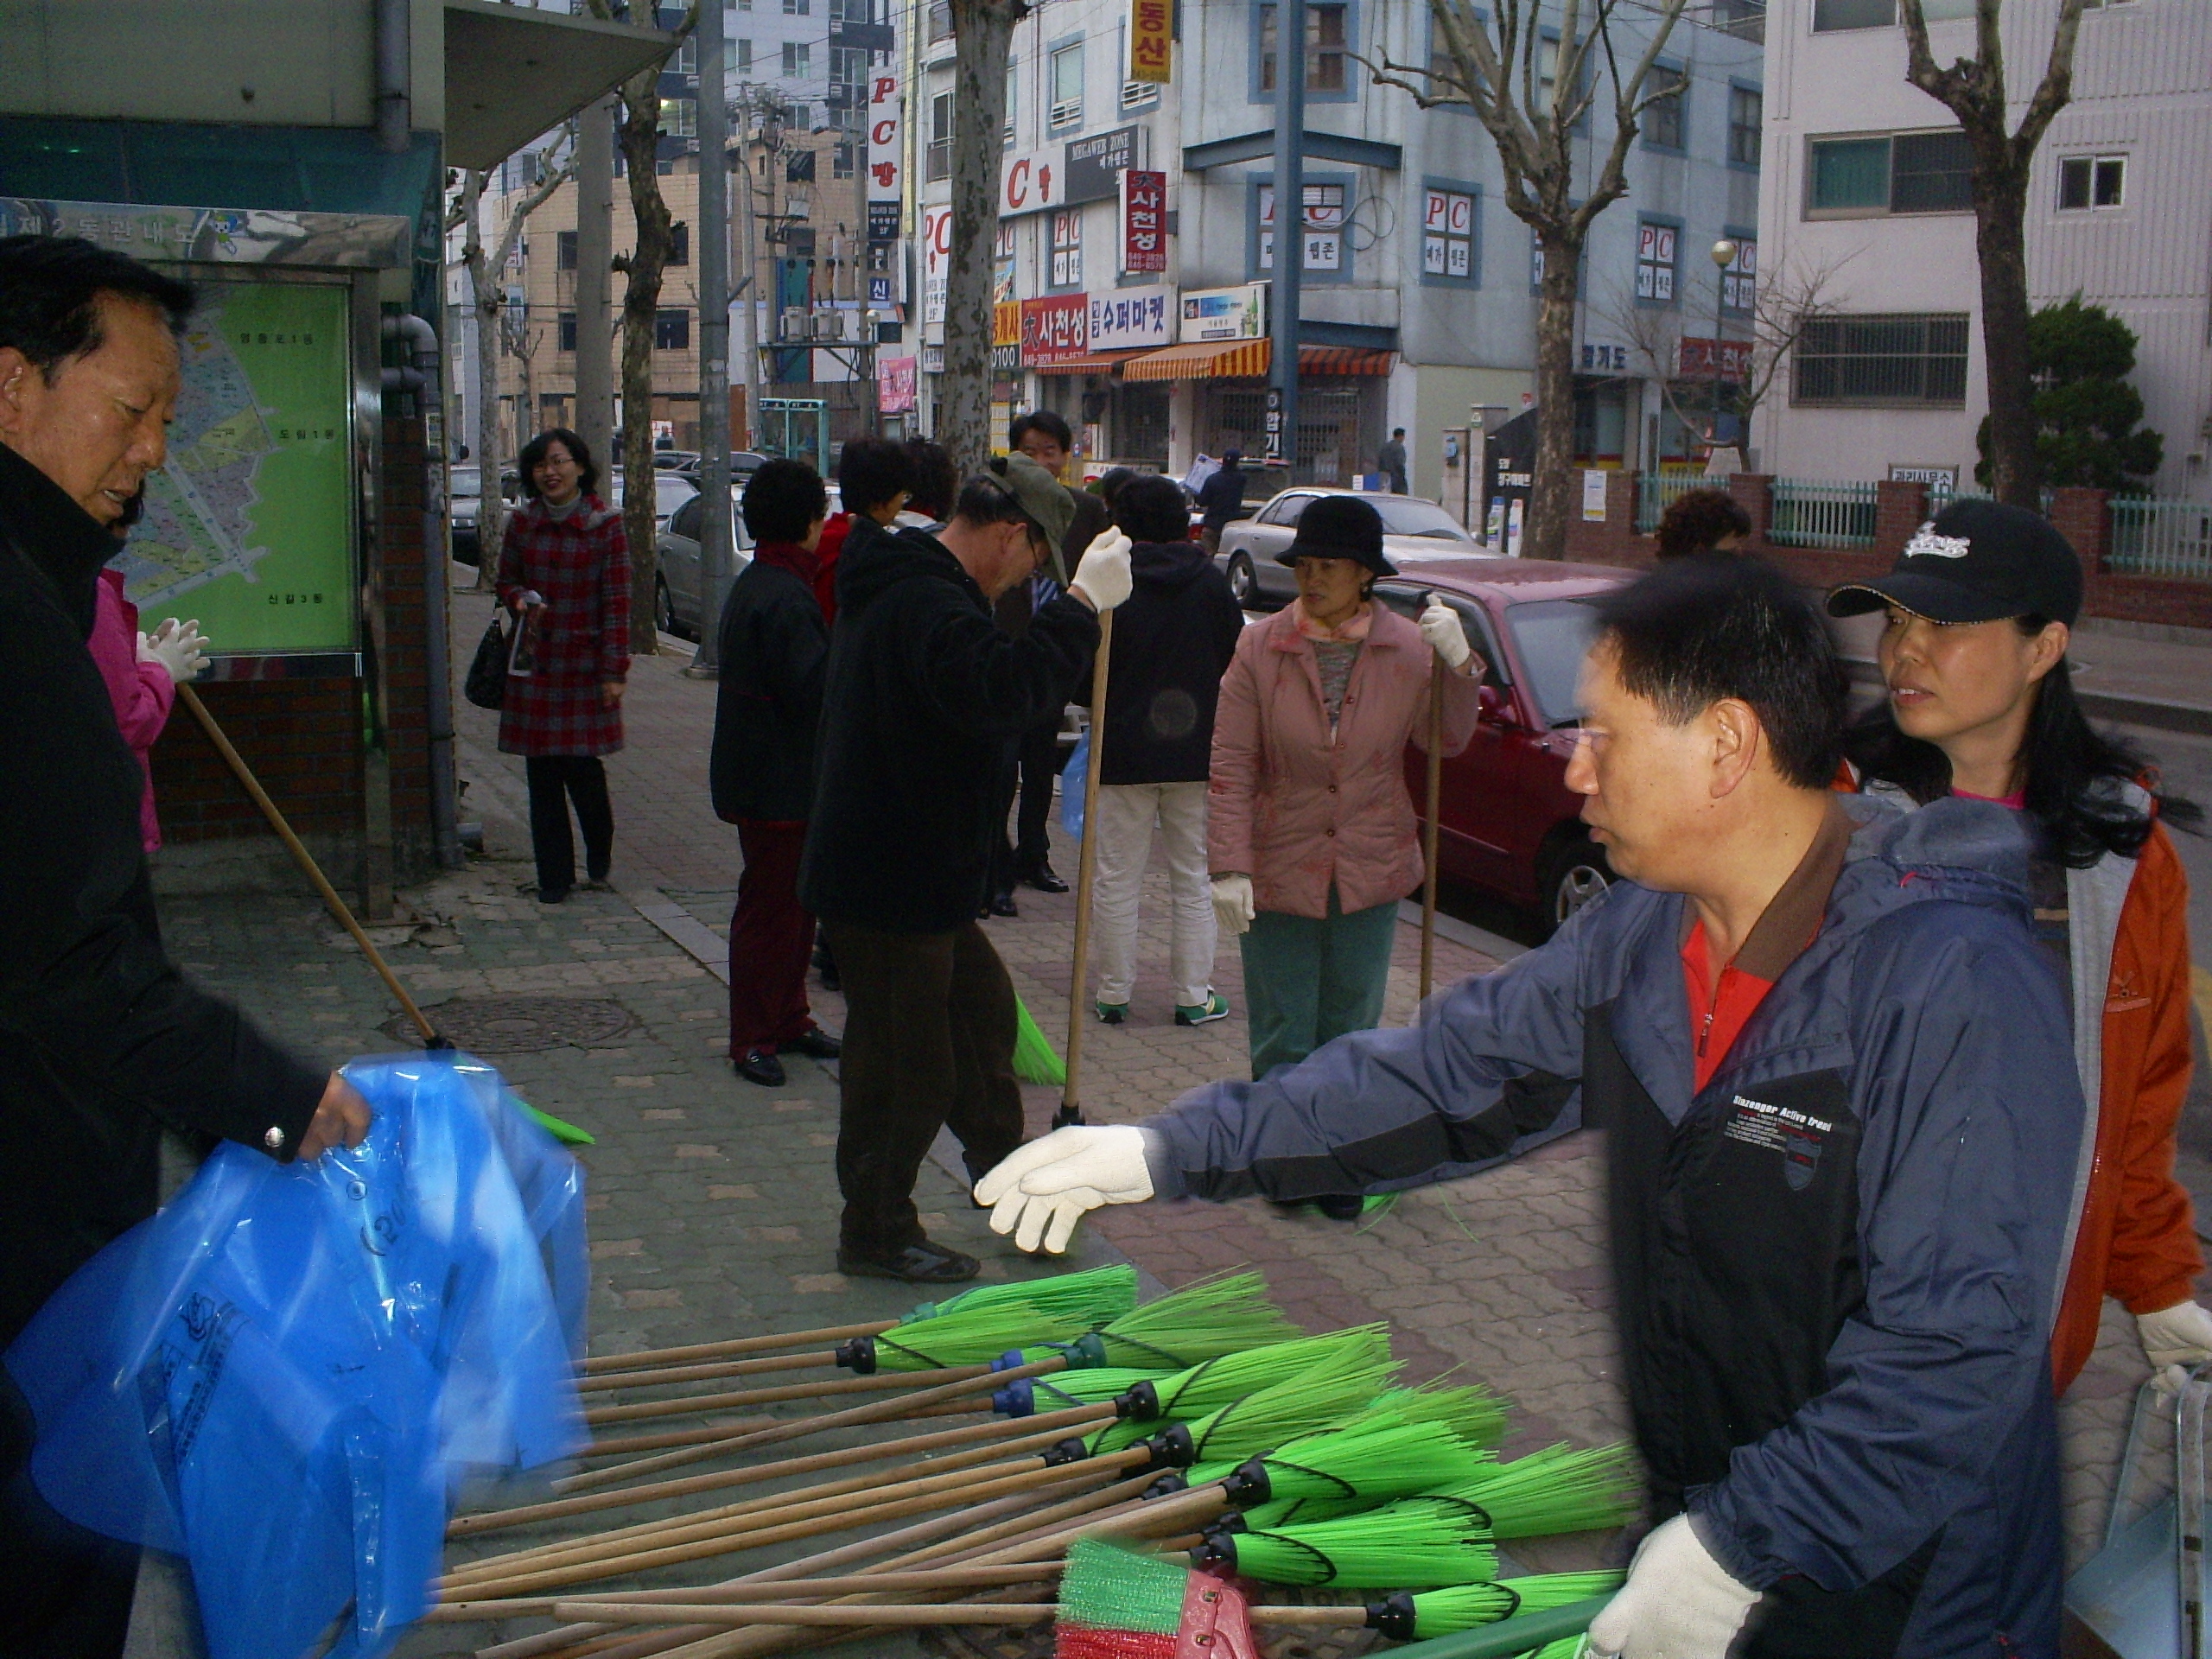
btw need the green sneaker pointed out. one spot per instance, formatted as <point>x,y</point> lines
<point>1112,1014</point>
<point>1216,1007</point>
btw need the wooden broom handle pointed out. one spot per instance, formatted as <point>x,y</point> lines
<point>306,862</point>
<point>1086,871</point>
<point>1428,835</point>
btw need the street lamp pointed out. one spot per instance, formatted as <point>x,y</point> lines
<point>1724,255</point>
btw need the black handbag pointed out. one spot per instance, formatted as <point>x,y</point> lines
<point>486,684</point>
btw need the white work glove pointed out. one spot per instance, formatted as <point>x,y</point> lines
<point>1445,634</point>
<point>1232,902</point>
<point>179,647</point>
<point>1679,1603</point>
<point>1102,575</point>
<point>1042,1189</point>
<point>2174,1339</point>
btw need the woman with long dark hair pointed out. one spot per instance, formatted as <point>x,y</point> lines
<point>564,571</point>
<point>1979,610</point>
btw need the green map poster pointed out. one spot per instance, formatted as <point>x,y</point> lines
<point>247,527</point>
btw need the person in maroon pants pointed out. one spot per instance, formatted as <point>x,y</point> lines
<point>775,646</point>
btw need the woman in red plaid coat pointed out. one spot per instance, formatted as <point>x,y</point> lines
<point>564,571</point>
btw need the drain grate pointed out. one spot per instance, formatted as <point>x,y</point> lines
<point>518,1024</point>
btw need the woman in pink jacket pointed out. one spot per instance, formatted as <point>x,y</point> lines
<point>1312,838</point>
<point>141,675</point>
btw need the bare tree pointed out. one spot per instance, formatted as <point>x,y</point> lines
<point>487,298</point>
<point>1532,93</point>
<point>638,134</point>
<point>1783,306</point>
<point>983,36</point>
<point>1973,89</point>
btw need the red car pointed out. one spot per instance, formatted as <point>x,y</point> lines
<point>1509,823</point>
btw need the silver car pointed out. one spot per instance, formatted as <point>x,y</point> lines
<point>1413,531</point>
<point>678,602</point>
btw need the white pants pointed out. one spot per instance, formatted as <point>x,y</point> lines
<point>1126,813</point>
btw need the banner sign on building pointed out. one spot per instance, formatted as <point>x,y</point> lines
<point>1033,182</point>
<point>1005,324</point>
<point>1095,165</point>
<point>937,261</point>
<point>1133,319</point>
<point>1144,220</point>
<point>1239,313</point>
<point>898,379</point>
<point>886,154</point>
<point>1151,41</point>
<point>1696,359</point>
<point>1055,329</point>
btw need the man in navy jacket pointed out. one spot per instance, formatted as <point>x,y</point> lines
<point>1841,1120</point>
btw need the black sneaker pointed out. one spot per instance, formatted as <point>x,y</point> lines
<point>815,1043</point>
<point>918,1264</point>
<point>761,1065</point>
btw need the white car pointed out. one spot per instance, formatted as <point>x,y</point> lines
<point>1413,531</point>
<point>671,491</point>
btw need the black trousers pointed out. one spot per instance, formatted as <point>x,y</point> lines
<point>555,781</point>
<point>65,1594</point>
<point>1037,762</point>
<point>930,1026</point>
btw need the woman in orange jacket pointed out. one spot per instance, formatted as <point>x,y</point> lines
<point>1981,703</point>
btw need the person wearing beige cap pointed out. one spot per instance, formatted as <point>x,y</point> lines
<point>923,697</point>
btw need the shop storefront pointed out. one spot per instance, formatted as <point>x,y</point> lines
<point>1340,400</point>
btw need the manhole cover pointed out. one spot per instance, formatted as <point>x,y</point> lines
<point>518,1024</point>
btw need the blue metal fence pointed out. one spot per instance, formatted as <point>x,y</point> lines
<point>2152,538</point>
<point>1822,512</point>
<point>1656,491</point>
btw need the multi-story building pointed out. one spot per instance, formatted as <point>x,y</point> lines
<point>1870,190</point>
<point>1419,285</point>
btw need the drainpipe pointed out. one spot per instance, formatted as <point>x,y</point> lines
<point>422,377</point>
<point>394,102</point>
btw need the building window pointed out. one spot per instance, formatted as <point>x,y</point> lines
<point>1739,279</point>
<point>1326,252</point>
<point>1662,126</point>
<point>798,59</point>
<point>2087,181</point>
<point>798,166</point>
<point>679,243</point>
<point>1747,115</point>
<point>1829,15</point>
<point>672,331</point>
<point>1067,248</point>
<point>848,70</point>
<point>1447,243</point>
<point>940,22</point>
<point>687,56</point>
<point>937,164</point>
<point>679,116</point>
<point>1907,173</point>
<point>564,249</point>
<point>1900,361</point>
<point>567,336</point>
<point>1013,103</point>
<point>745,57</point>
<point>797,7</point>
<point>841,162</point>
<point>1655,247</point>
<point>1067,86</point>
<point>745,5</point>
<point>1325,36</point>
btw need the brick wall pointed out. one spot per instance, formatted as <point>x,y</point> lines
<point>302,738</point>
<point>2081,515</point>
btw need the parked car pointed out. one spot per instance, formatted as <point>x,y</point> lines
<point>678,603</point>
<point>465,507</point>
<point>1508,823</point>
<point>676,460</point>
<point>1413,532</point>
<point>671,491</point>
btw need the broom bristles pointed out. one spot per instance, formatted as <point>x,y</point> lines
<point>1035,1060</point>
<point>1476,1415</point>
<point>1207,1387</point>
<point>1386,1549</point>
<point>1463,1607</point>
<point>1371,1456</point>
<point>1108,1588</point>
<point>1065,1388</point>
<point>1556,1490</point>
<point>1226,1314</point>
<point>1298,1406</point>
<point>1301,1512</point>
<point>979,1325</point>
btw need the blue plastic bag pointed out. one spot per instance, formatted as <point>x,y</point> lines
<point>287,1374</point>
<point>1072,776</point>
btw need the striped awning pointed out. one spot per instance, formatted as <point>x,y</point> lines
<point>1211,360</point>
<point>1234,359</point>
<point>1090,363</point>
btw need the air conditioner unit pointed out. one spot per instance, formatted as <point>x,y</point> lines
<point>821,325</point>
<point>1068,114</point>
<point>794,323</point>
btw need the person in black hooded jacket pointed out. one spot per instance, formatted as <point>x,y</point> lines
<point>923,699</point>
<point>105,1039</point>
<point>1172,642</point>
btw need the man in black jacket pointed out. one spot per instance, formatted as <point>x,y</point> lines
<point>924,696</point>
<point>1221,498</point>
<point>105,1039</point>
<point>775,647</point>
<point>1172,642</point>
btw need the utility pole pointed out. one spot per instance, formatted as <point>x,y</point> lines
<point>594,260</point>
<point>715,539</point>
<point>1290,228</point>
<point>748,287</point>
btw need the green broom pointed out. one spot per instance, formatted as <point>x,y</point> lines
<point>1418,1543</point>
<point>1212,1384</point>
<point>977,1327</point>
<point>567,1133</point>
<point>1430,1437</point>
<point>1034,1058</point>
<point>1118,1604</point>
<point>1556,1490</point>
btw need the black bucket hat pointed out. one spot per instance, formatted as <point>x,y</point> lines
<point>1976,561</point>
<point>1339,527</point>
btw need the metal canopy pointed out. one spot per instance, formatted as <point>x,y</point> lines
<point>512,72</point>
<point>1315,146</point>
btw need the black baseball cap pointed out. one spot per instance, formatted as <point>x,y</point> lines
<point>1976,561</point>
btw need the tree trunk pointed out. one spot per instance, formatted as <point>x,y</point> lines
<point>983,32</point>
<point>484,300</point>
<point>1543,535</point>
<point>640,137</point>
<point>2001,243</point>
